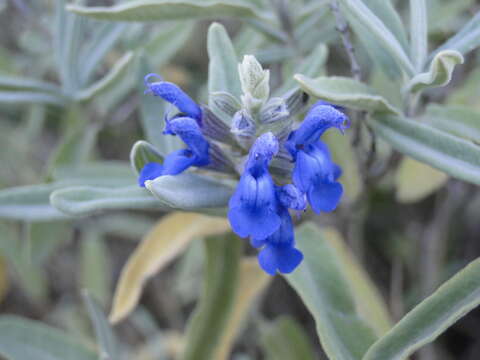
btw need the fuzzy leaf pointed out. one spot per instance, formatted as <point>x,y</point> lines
<point>168,238</point>
<point>345,91</point>
<point>440,72</point>
<point>142,153</point>
<point>455,156</point>
<point>431,317</point>
<point>419,32</point>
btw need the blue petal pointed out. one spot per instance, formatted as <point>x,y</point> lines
<point>189,131</point>
<point>174,95</point>
<point>262,151</point>
<point>178,161</point>
<point>282,258</point>
<point>291,197</point>
<point>149,171</point>
<point>325,196</point>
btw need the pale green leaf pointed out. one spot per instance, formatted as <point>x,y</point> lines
<point>87,200</point>
<point>157,10</point>
<point>431,317</point>
<point>357,9</point>
<point>344,330</point>
<point>167,239</point>
<point>466,40</point>
<point>284,339</point>
<point>223,64</point>
<point>455,156</point>
<point>458,120</point>
<point>345,91</point>
<point>209,320</point>
<point>143,153</point>
<point>440,72</point>
<point>16,83</point>
<point>103,331</point>
<point>24,339</point>
<point>189,191</point>
<point>415,181</point>
<point>114,76</point>
<point>32,97</point>
<point>418,32</point>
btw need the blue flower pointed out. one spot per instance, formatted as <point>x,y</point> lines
<point>278,251</point>
<point>253,206</point>
<point>197,153</point>
<point>174,95</point>
<point>314,173</point>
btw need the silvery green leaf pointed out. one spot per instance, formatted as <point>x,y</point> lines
<point>29,203</point>
<point>455,156</point>
<point>152,111</point>
<point>466,40</point>
<point>32,97</point>
<point>118,71</point>
<point>189,191</point>
<point>88,200</point>
<point>345,91</point>
<point>24,339</point>
<point>99,173</point>
<point>418,32</point>
<point>103,40</point>
<point>253,79</point>
<point>103,330</point>
<point>384,37</point>
<point>295,100</point>
<point>440,72</point>
<point>426,321</point>
<point>222,68</point>
<point>69,67</point>
<point>143,153</point>
<point>458,120</point>
<point>312,66</point>
<point>215,128</point>
<point>17,83</point>
<point>225,102</point>
<point>157,10</point>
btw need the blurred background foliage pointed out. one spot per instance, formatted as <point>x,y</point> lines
<point>71,107</point>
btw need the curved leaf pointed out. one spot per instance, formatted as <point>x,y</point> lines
<point>328,293</point>
<point>455,156</point>
<point>24,339</point>
<point>157,10</point>
<point>190,191</point>
<point>85,200</point>
<point>440,72</point>
<point>168,238</point>
<point>431,317</point>
<point>142,153</point>
<point>207,323</point>
<point>345,91</point>
<point>415,181</point>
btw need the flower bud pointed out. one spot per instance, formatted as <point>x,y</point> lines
<point>254,80</point>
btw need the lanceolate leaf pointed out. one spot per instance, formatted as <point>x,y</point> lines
<point>32,97</point>
<point>210,317</point>
<point>143,153</point>
<point>455,156</point>
<point>418,32</point>
<point>466,40</point>
<point>440,72</point>
<point>431,317</point>
<point>14,83</point>
<point>321,281</point>
<point>24,339</point>
<point>459,120</point>
<point>345,91</point>
<point>223,64</point>
<point>156,10</point>
<point>168,238</point>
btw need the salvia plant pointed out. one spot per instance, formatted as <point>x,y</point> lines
<point>331,146</point>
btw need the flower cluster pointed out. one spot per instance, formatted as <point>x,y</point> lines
<point>282,165</point>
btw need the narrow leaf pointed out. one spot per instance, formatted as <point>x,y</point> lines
<point>143,153</point>
<point>285,339</point>
<point>157,10</point>
<point>418,32</point>
<point>345,91</point>
<point>223,64</point>
<point>24,339</point>
<point>209,320</point>
<point>15,83</point>
<point>415,181</point>
<point>431,317</point>
<point>103,331</point>
<point>440,72</point>
<point>189,191</point>
<point>344,330</point>
<point>32,97</point>
<point>162,244</point>
<point>455,156</point>
<point>378,29</point>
